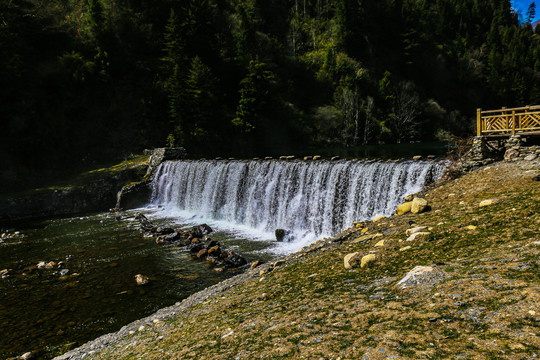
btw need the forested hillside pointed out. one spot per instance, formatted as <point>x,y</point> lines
<point>90,80</point>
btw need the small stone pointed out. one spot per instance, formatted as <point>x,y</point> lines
<point>530,157</point>
<point>141,328</point>
<point>351,260</point>
<point>26,356</point>
<point>308,157</point>
<point>471,227</point>
<point>141,279</point>
<point>164,230</point>
<point>214,251</point>
<point>64,272</point>
<point>417,157</point>
<point>41,264</point>
<point>419,205</point>
<point>202,253</point>
<point>487,202</point>
<point>511,155</point>
<point>367,260</point>
<point>404,208</point>
<point>334,158</point>
<point>362,239</point>
<point>415,230</point>
<point>255,264</point>
<point>405,248</point>
<point>380,243</point>
<point>424,235</point>
<point>378,218</point>
<point>317,157</point>
<point>364,230</point>
<point>50,265</point>
<point>536,178</point>
<point>409,197</point>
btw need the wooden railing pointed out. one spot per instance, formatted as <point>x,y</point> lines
<point>508,121</point>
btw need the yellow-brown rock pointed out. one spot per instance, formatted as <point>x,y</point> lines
<point>404,208</point>
<point>419,205</point>
<point>141,279</point>
<point>367,260</point>
<point>351,260</point>
<point>380,243</point>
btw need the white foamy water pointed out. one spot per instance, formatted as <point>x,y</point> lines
<point>311,199</point>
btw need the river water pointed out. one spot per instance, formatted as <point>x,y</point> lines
<point>91,289</point>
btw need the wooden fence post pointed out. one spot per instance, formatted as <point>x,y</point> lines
<point>479,122</point>
<point>514,122</point>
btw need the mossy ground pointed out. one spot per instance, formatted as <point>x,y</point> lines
<point>486,308</point>
<point>82,178</point>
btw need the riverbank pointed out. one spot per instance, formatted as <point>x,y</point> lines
<point>476,296</point>
<point>91,191</point>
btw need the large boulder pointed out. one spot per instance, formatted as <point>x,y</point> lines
<point>160,155</point>
<point>404,208</point>
<point>235,260</point>
<point>422,276</point>
<point>282,235</point>
<point>133,196</point>
<point>419,205</point>
<point>199,231</point>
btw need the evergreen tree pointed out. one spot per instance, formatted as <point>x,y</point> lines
<point>531,12</point>
<point>255,90</point>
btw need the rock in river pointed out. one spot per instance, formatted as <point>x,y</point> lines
<point>141,279</point>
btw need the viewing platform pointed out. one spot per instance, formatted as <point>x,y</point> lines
<point>507,122</point>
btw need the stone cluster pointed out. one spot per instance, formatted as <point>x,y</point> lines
<point>485,151</point>
<point>517,151</point>
<point>195,240</point>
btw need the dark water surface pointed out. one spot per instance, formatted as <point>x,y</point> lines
<point>91,289</point>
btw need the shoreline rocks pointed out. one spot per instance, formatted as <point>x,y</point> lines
<point>194,240</point>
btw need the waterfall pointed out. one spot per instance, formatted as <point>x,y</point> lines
<point>311,199</point>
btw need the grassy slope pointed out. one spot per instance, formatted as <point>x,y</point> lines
<point>486,308</point>
<point>82,179</point>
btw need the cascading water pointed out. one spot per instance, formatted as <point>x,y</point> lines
<point>311,199</point>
